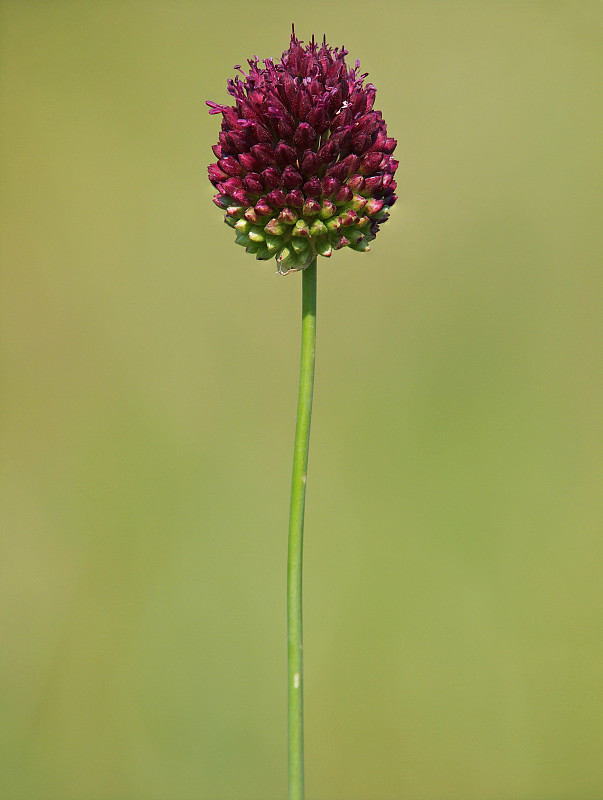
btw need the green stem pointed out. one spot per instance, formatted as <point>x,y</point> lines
<point>296,533</point>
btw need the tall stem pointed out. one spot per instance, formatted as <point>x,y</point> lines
<point>296,532</point>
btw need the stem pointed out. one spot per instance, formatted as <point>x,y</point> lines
<point>296,533</point>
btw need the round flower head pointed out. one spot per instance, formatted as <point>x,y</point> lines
<point>304,162</point>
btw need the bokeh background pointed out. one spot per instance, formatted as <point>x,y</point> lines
<point>453,598</point>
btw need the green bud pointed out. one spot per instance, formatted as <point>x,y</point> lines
<point>318,228</point>
<point>300,245</point>
<point>273,242</point>
<point>358,202</point>
<point>242,225</point>
<point>338,241</point>
<point>256,234</point>
<point>382,215</point>
<point>300,228</point>
<point>288,216</point>
<point>373,206</point>
<point>230,221</point>
<point>275,228</point>
<point>323,248</point>
<point>287,260</point>
<point>361,246</point>
<point>252,215</point>
<point>243,239</point>
<point>354,235</point>
<point>311,207</point>
<point>327,209</point>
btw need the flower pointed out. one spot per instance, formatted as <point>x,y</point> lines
<point>304,165</point>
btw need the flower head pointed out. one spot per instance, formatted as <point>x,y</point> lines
<point>304,165</point>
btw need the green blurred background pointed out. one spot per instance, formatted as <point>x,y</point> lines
<point>453,598</point>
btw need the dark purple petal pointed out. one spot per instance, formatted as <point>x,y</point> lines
<point>318,118</point>
<point>356,183</point>
<point>271,178</point>
<point>230,165</point>
<point>241,197</point>
<point>370,162</point>
<point>236,142</point>
<point>361,143</point>
<point>379,142</point>
<point>373,206</point>
<point>313,188</point>
<point>304,104</point>
<point>310,163</point>
<point>215,174</point>
<point>291,178</point>
<point>253,183</point>
<point>358,104</point>
<point>372,184</point>
<point>342,119</point>
<point>339,171</point>
<point>328,152</point>
<point>262,208</point>
<point>229,186</point>
<point>341,138</point>
<point>295,198</point>
<point>305,136</point>
<point>366,123</point>
<point>285,154</point>
<point>335,99</point>
<point>329,185</point>
<point>352,163</point>
<point>285,128</point>
<point>262,134</point>
<point>263,153</point>
<point>289,88</point>
<point>343,195</point>
<point>277,198</point>
<point>249,162</point>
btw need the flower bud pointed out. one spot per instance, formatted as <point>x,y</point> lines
<point>271,178</point>
<point>291,178</point>
<point>300,155</point>
<point>312,188</point>
<point>305,136</point>
<point>311,207</point>
<point>252,182</point>
<point>295,198</point>
<point>277,198</point>
<point>288,216</point>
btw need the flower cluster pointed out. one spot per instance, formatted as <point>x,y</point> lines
<point>304,165</point>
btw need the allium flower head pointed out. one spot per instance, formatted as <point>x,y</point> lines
<point>304,165</point>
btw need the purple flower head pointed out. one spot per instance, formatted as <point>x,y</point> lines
<point>303,155</point>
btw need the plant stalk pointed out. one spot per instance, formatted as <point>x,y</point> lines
<point>296,531</point>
